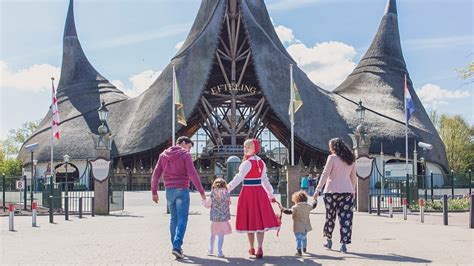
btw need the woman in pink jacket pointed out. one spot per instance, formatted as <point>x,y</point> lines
<point>339,181</point>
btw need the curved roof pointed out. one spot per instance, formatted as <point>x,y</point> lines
<point>378,80</point>
<point>79,94</point>
<point>141,123</point>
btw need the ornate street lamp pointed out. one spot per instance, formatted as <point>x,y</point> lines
<point>360,138</point>
<point>360,112</point>
<point>104,140</point>
<point>103,112</point>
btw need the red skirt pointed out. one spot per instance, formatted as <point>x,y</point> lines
<point>254,211</point>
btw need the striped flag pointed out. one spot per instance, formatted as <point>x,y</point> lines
<point>409,105</point>
<point>55,113</point>
<point>179,103</point>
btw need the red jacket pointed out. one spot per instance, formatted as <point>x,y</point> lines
<point>176,165</point>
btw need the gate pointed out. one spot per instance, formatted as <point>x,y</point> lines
<point>116,197</point>
<point>397,188</point>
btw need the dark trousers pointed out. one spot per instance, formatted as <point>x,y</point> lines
<point>339,204</point>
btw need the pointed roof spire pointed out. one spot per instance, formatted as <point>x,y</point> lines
<point>76,68</point>
<point>70,28</point>
<point>391,7</point>
<point>385,53</point>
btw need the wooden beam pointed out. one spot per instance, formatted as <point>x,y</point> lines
<point>222,68</point>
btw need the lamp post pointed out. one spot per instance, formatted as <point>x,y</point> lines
<point>101,165</point>
<point>66,197</point>
<point>361,141</point>
<point>360,138</point>
<point>31,148</point>
<point>66,161</point>
<point>33,180</point>
<point>382,158</point>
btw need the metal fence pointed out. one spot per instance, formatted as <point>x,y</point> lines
<point>455,185</point>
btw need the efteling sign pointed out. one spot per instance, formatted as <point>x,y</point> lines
<point>233,87</point>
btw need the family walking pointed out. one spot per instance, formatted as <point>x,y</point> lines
<point>255,214</point>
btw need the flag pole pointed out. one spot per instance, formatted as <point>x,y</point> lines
<point>292,116</point>
<point>406,125</point>
<point>52,135</point>
<point>173,111</point>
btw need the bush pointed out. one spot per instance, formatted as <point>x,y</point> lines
<point>460,204</point>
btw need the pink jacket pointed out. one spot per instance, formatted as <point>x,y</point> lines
<point>176,165</point>
<point>338,176</point>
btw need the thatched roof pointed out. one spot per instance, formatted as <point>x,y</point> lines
<point>142,123</point>
<point>378,81</point>
<point>79,92</point>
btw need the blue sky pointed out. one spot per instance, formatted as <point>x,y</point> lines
<point>129,42</point>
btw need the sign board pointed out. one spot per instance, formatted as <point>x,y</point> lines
<point>364,166</point>
<point>100,169</point>
<point>228,88</point>
<point>397,170</point>
<point>20,185</point>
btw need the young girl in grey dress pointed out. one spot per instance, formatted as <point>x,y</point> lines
<point>219,202</point>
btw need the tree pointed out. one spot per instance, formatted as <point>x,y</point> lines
<point>457,136</point>
<point>466,72</point>
<point>11,167</point>
<point>16,137</point>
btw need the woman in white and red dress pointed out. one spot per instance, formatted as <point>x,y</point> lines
<point>255,214</point>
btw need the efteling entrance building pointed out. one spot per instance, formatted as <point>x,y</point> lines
<point>234,79</point>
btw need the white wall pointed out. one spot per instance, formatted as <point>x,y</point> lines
<point>81,165</point>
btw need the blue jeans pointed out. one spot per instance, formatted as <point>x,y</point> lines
<point>301,240</point>
<point>178,203</point>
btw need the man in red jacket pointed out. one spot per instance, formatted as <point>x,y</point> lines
<point>176,166</point>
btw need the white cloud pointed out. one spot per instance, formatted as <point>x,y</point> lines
<point>140,82</point>
<point>433,96</point>
<point>36,78</point>
<point>326,64</point>
<point>285,34</point>
<point>179,45</point>
<point>440,43</point>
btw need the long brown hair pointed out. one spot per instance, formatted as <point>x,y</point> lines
<point>341,149</point>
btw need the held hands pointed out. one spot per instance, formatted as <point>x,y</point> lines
<point>203,197</point>
<point>155,198</point>
<point>316,194</point>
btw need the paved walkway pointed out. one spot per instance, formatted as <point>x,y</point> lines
<point>139,235</point>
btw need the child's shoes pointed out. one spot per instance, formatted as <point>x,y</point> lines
<point>298,253</point>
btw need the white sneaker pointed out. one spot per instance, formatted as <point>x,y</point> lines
<point>210,253</point>
<point>221,255</point>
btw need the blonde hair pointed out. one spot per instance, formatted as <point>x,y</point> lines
<point>219,183</point>
<point>249,143</point>
<point>299,196</point>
